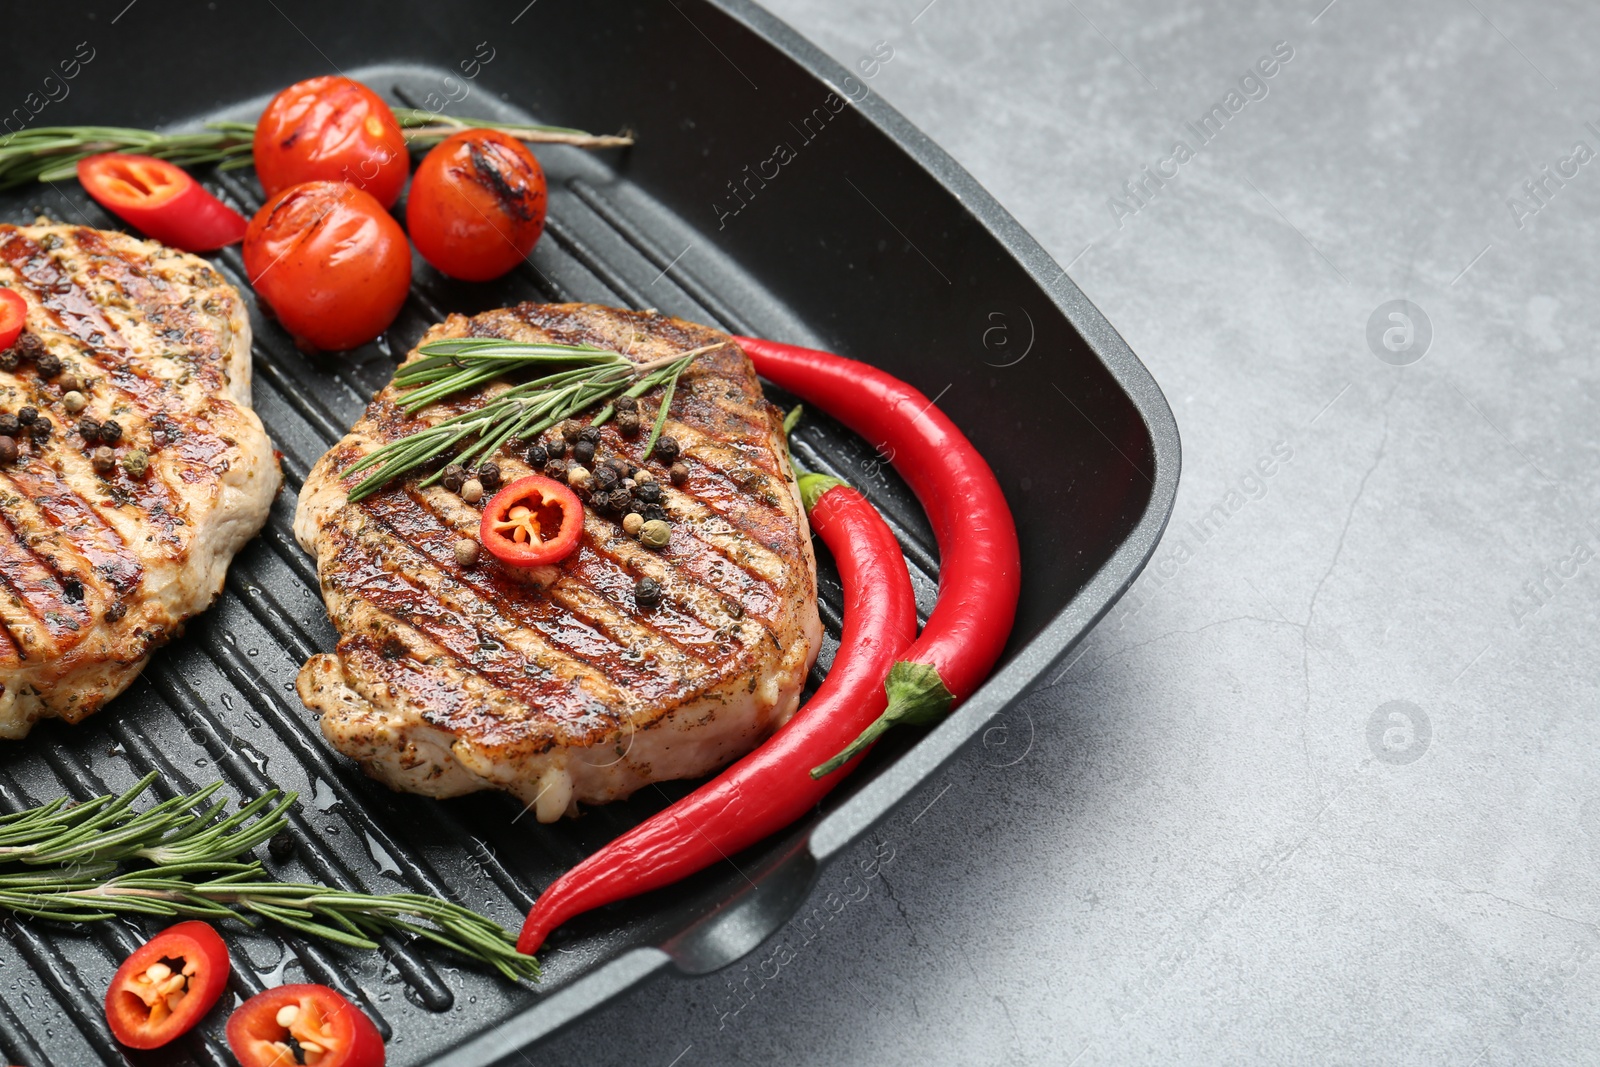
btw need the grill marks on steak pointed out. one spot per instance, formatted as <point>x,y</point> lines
<point>556,684</point>
<point>162,343</point>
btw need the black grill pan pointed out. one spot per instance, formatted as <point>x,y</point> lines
<point>866,240</point>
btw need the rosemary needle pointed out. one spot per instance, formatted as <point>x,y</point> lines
<point>186,856</point>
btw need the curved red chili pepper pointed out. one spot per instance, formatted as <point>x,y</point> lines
<point>980,566</point>
<point>768,789</point>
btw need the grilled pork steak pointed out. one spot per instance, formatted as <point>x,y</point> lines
<point>100,565</point>
<point>554,683</point>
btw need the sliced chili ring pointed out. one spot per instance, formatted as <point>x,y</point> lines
<point>161,200</point>
<point>532,521</point>
<point>167,985</point>
<point>13,317</point>
<point>310,1024</point>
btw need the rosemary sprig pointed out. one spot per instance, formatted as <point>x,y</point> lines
<point>579,377</point>
<point>52,153</point>
<point>76,863</point>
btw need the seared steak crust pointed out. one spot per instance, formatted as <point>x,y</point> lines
<point>554,684</point>
<point>99,568</point>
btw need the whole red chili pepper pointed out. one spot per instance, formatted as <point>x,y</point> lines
<point>980,566</point>
<point>768,789</point>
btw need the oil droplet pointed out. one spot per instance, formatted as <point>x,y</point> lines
<point>254,757</point>
<point>202,762</point>
<point>322,795</point>
<point>380,856</point>
<point>274,978</point>
<point>227,701</point>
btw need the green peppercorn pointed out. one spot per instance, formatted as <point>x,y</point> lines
<point>655,533</point>
<point>136,463</point>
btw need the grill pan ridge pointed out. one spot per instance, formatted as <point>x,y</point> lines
<point>871,242</point>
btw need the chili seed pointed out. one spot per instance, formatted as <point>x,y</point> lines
<point>667,448</point>
<point>136,463</point>
<point>631,523</point>
<point>49,365</point>
<point>627,403</point>
<point>453,477</point>
<point>27,415</point>
<point>8,449</point>
<point>647,592</point>
<point>9,426</point>
<point>110,431</point>
<point>103,459</point>
<point>537,455</point>
<point>655,533</point>
<point>74,401</point>
<point>679,474</point>
<point>466,552</point>
<point>89,428</point>
<point>40,429</point>
<point>472,490</point>
<point>648,492</point>
<point>489,477</point>
<point>583,452</point>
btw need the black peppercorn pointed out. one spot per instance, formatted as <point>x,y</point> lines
<point>653,512</point>
<point>571,431</point>
<point>556,447</point>
<point>648,492</point>
<point>454,476</point>
<point>556,468</point>
<point>9,426</point>
<point>110,432</point>
<point>583,452</point>
<point>89,428</point>
<point>605,476</point>
<point>489,477</point>
<point>647,591</point>
<point>537,455</point>
<point>30,347</point>
<point>679,474</point>
<point>27,415</point>
<point>667,448</point>
<point>116,612</point>
<point>9,359</point>
<point>590,434</point>
<point>8,450</point>
<point>40,429</point>
<point>627,403</point>
<point>620,465</point>
<point>280,846</point>
<point>628,424</point>
<point>49,365</point>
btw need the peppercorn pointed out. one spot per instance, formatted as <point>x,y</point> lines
<point>27,415</point>
<point>556,447</point>
<point>590,434</point>
<point>489,477</point>
<point>655,533</point>
<point>628,424</point>
<point>620,465</point>
<point>453,477</point>
<point>648,492</point>
<point>40,429</point>
<point>647,592</point>
<point>89,428</point>
<point>110,431</point>
<point>556,468</point>
<point>641,476</point>
<point>103,460</point>
<point>577,476</point>
<point>667,448</point>
<point>9,359</point>
<point>9,426</point>
<point>605,476</point>
<point>136,463</point>
<point>30,347</point>
<point>8,449</point>
<point>74,401</point>
<point>571,431</point>
<point>280,846</point>
<point>679,474</point>
<point>49,365</point>
<point>653,513</point>
<point>466,552</point>
<point>631,523</point>
<point>537,455</point>
<point>70,382</point>
<point>583,452</point>
<point>472,490</point>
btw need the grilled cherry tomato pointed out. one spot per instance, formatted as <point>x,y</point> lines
<point>332,263</point>
<point>13,318</point>
<point>161,200</point>
<point>327,1029</point>
<point>331,129</point>
<point>533,520</point>
<point>166,986</point>
<point>477,205</point>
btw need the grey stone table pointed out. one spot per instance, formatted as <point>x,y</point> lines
<point>1323,787</point>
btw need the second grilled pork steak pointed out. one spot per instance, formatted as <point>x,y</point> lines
<point>100,565</point>
<point>553,683</point>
